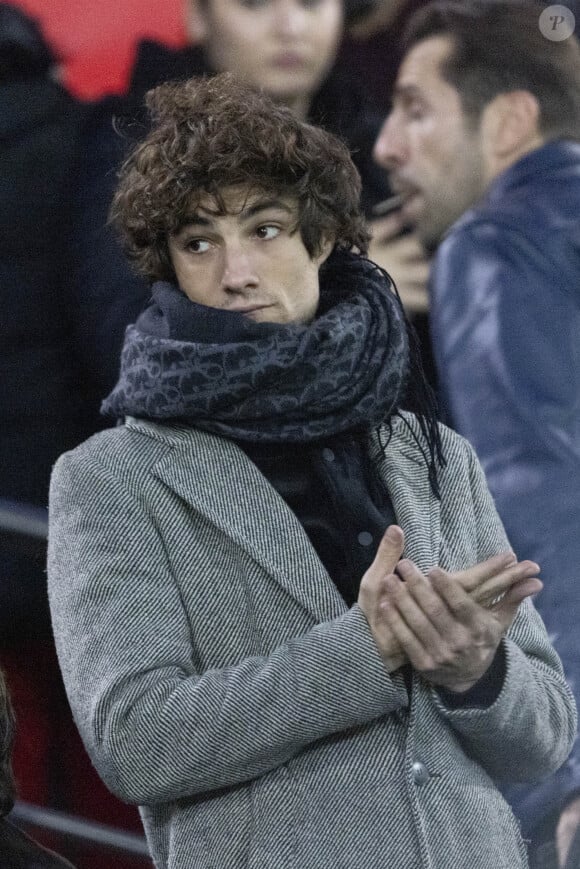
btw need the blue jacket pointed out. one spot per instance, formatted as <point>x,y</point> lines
<point>505,313</point>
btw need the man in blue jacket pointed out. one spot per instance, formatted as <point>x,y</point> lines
<point>482,143</point>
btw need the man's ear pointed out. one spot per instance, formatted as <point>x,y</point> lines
<point>196,21</point>
<point>511,125</point>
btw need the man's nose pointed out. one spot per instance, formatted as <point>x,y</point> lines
<point>390,147</point>
<point>239,269</point>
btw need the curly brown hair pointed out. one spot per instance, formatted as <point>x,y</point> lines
<point>209,134</point>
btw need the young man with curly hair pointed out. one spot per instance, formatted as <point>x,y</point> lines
<point>247,653</point>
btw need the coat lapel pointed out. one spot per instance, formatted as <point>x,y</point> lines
<point>210,473</point>
<point>404,470</point>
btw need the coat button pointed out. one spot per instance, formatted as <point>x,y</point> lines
<point>328,454</point>
<point>420,773</point>
<point>365,538</point>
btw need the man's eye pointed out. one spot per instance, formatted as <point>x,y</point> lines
<point>197,245</point>
<point>268,231</point>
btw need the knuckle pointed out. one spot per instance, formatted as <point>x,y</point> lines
<point>426,664</point>
<point>463,610</point>
<point>446,657</point>
<point>437,611</point>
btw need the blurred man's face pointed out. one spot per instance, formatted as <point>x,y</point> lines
<point>434,154</point>
<point>248,257</point>
<point>285,47</point>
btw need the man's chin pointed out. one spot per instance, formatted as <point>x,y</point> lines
<point>429,236</point>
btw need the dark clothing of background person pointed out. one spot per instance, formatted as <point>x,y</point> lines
<point>108,294</point>
<point>505,296</point>
<point>376,58</point>
<point>41,404</point>
<point>45,407</point>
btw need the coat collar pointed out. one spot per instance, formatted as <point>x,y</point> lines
<point>560,156</point>
<point>403,467</point>
<point>208,472</point>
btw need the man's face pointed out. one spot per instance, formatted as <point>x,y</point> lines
<point>433,154</point>
<point>248,258</point>
<point>285,47</point>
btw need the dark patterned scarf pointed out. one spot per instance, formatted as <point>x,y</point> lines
<point>222,372</point>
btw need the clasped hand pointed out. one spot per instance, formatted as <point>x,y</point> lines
<point>448,626</point>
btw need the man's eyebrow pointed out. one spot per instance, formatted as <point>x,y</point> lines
<point>197,218</point>
<point>192,220</point>
<point>265,205</point>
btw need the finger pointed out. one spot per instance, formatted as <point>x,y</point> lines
<point>414,298</point>
<point>461,606</point>
<point>410,252</point>
<point>389,552</point>
<point>493,589</point>
<point>566,829</point>
<point>474,576</point>
<point>506,610</point>
<point>386,228</point>
<point>410,644</point>
<point>427,598</point>
<point>414,611</point>
<point>402,252</point>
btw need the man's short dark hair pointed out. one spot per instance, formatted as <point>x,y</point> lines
<point>498,47</point>
<point>212,133</point>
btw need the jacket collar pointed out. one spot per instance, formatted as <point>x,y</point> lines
<point>208,471</point>
<point>537,165</point>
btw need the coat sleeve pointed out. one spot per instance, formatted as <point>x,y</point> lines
<point>506,333</point>
<point>156,729</point>
<point>528,731</point>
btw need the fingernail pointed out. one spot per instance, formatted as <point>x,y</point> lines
<point>394,533</point>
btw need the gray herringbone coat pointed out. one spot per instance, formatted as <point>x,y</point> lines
<point>219,680</point>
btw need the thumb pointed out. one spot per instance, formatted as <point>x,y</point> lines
<point>384,229</point>
<point>389,552</point>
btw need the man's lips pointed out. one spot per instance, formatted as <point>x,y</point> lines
<point>403,189</point>
<point>412,205</point>
<point>248,309</point>
<point>411,198</point>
